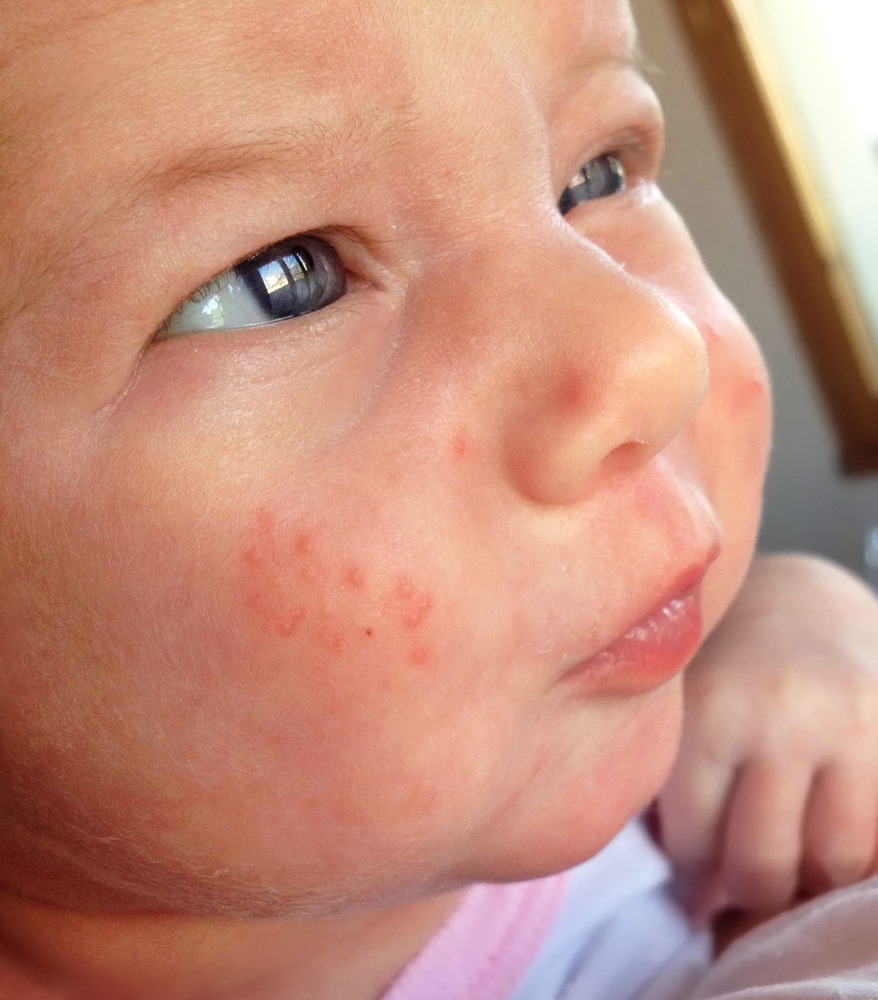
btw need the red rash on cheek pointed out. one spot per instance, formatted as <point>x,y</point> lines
<point>290,589</point>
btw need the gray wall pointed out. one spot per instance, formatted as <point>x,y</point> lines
<point>808,505</point>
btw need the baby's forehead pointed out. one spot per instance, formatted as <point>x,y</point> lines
<point>98,98</point>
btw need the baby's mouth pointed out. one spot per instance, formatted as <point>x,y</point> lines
<point>653,650</point>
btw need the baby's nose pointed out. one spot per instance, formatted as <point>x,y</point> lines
<point>608,375</point>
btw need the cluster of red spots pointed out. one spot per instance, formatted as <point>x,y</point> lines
<point>266,573</point>
<point>283,583</point>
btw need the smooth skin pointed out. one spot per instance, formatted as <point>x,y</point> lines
<point>289,613</point>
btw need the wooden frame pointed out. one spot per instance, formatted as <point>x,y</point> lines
<point>801,237</point>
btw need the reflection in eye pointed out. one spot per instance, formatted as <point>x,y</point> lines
<point>598,178</point>
<point>289,279</point>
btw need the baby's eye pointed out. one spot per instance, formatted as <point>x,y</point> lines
<point>598,178</point>
<point>297,276</point>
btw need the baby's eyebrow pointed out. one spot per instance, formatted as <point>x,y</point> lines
<point>630,58</point>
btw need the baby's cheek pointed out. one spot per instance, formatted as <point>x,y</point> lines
<point>356,669</point>
<point>731,437</point>
<point>298,582</point>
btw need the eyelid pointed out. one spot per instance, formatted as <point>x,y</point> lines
<point>637,140</point>
<point>639,151</point>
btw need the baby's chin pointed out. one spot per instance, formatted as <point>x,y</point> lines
<point>561,823</point>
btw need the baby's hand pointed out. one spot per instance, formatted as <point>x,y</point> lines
<point>775,791</point>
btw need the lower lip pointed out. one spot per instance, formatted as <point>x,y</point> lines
<point>650,654</point>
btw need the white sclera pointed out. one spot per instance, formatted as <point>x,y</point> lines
<point>228,304</point>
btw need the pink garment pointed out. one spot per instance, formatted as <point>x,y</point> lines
<point>486,946</point>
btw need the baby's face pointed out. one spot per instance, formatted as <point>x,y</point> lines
<point>306,596</point>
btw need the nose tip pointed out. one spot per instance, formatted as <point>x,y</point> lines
<point>616,387</point>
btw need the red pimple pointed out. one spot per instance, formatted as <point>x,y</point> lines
<point>417,604</point>
<point>749,391</point>
<point>331,634</point>
<point>419,655</point>
<point>303,545</point>
<point>571,393</point>
<point>354,578</point>
<point>460,446</point>
<point>289,621</point>
<point>369,632</point>
<point>416,615</point>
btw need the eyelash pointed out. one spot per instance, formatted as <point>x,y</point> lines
<point>304,274</point>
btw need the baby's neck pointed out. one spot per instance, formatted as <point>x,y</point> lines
<point>53,954</point>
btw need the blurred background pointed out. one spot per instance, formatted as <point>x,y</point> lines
<point>810,505</point>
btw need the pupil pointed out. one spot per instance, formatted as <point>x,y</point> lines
<point>597,179</point>
<point>286,285</point>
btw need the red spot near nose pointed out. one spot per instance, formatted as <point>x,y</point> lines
<point>265,522</point>
<point>571,393</point>
<point>460,446</point>
<point>748,392</point>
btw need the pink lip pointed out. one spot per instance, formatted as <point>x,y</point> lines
<point>654,650</point>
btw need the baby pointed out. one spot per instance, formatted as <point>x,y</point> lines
<point>375,454</point>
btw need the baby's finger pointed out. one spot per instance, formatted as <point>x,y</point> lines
<point>690,812</point>
<point>762,842</point>
<point>840,827</point>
